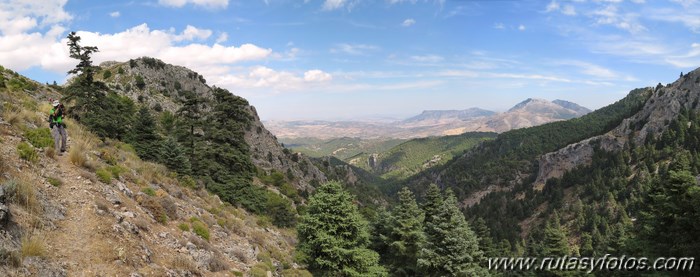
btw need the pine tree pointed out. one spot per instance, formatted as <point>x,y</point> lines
<point>485,241</point>
<point>84,68</point>
<point>555,242</point>
<point>669,221</point>
<point>406,235</point>
<point>333,236</point>
<point>146,141</point>
<point>451,247</point>
<point>173,156</point>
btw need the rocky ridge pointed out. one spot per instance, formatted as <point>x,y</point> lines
<point>163,87</point>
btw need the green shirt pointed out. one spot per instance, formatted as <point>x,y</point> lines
<point>58,118</point>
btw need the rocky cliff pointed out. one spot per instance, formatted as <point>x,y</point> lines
<point>665,104</point>
<point>163,87</point>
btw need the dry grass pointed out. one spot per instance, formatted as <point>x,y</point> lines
<point>142,224</point>
<point>32,246</point>
<point>182,262</point>
<point>152,205</point>
<point>102,204</point>
<point>218,263</point>
<point>169,207</point>
<point>82,142</point>
<point>50,153</point>
<point>23,193</point>
<point>10,258</point>
<point>241,255</point>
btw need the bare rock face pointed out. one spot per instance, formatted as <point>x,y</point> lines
<point>4,210</point>
<point>664,105</point>
<point>267,153</point>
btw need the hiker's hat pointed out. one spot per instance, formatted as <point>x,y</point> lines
<point>55,103</point>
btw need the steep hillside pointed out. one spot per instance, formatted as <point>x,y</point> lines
<point>603,181</point>
<point>509,164</point>
<point>165,88</point>
<point>417,155</point>
<point>100,210</point>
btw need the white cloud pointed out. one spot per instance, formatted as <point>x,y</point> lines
<point>353,49</point>
<point>568,10</point>
<point>499,26</point>
<point>316,75</point>
<point>204,3</point>
<point>330,5</point>
<point>555,6</point>
<point>115,14</point>
<point>49,50</point>
<point>223,37</point>
<point>264,77</point>
<point>408,22</point>
<point>19,16</point>
<point>610,15</point>
<point>191,33</point>
<point>596,71</point>
<point>552,6</point>
<point>521,27</point>
<point>427,59</point>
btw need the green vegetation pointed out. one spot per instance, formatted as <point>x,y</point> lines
<point>149,191</point>
<point>54,181</point>
<point>27,152</point>
<point>514,155</point>
<point>200,229</point>
<point>416,155</point>
<point>104,175</point>
<point>333,236</point>
<point>184,227</point>
<point>39,137</point>
<point>341,148</point>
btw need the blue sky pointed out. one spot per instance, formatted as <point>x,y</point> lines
<point>359,59</point>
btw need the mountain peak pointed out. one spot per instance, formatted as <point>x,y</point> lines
<point>527,102</point>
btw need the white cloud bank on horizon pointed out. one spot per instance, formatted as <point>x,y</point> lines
<point>32,35</point>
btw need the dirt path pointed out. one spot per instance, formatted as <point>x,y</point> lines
<point>82,237</point>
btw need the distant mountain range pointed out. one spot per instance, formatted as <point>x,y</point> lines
<point>528,113</point>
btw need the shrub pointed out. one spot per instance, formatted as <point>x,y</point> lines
<point>76,154</point>
<point>155,208</point>
<point>200,229</point>
<point>169,206</point>
<point>140,82</point>
<point>40,137</point>
<point>32,246</point>
<point>259,270</point>
<point>107,74</point>
<point>116,171</point>
<point>10,258</point>
<point>54,181</point>
<point>27,152</point>
<point>296,273</point>
<point>23,194</point>
<point>183,263</point>
<point>120,70</point>
<point>217,263</point>
<point>184,227</point>
<point>104,175</point>
<point>149,191</point>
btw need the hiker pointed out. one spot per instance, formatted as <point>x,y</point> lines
<point>58,128</point>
